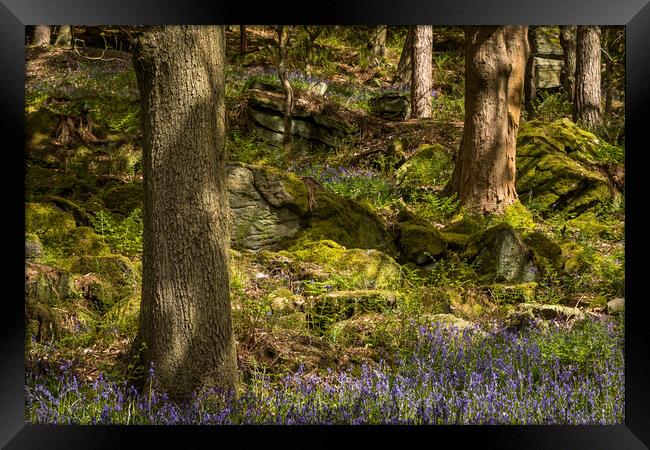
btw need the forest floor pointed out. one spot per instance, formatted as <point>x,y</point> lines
<point>331,326</point>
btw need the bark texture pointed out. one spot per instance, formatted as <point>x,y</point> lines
<point>185,316</point>
<point>608,75</point>
<point>41,35</point>
<point>530,80</point>
<point>586,107</point>
<point>312,34</point>
<point>422,65</point>
<point>243,43</point>
<point>495,59</point>
<point>403,74</point>
<point>64,36</point>
<point>568,74</point>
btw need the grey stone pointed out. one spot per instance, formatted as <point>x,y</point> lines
<point>616,306</point>
<point>33,246</point>
<point>392,106</point>
<point>318,88</point>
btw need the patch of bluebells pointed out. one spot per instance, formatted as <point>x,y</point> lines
<point>448,377</point>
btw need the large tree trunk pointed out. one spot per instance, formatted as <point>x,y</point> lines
<point>586,108</point>
<point>403,74</point>
<point>484,175</point>
<point>608,76</point>
<point>568,73</point>
<point>530,80</point>
<point>422,64</point>
<point>377,44</point>
<point>185,315</point>
<point>284,35</point>
<point>41,35</point>
<point>64,36</point>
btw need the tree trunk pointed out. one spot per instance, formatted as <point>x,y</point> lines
<point>242,39</point>
<point>64,36</point>
<point>422,65</point>
<point>284,35</point>
<point>484,175</point>
<point>377,44</point>
<point>403,74</point>
<point>608,76</point>
<point>586,108</point>
<point>312,35</point>
<point>41,35</point>
<point>185,314</point>
<point>530,83</point>
<point>568,73</point>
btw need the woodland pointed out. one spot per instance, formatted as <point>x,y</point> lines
<point>274,224</point>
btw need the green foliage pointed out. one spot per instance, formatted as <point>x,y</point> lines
<point>122,235</point>
<point>434,207</point>
<point>552,106</point>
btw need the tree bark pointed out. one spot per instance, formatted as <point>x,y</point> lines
<point>586,108</point>
<point>530,84</point>
<point>377,44</point>
<point>243,44</point>
<point>284,35</point>
<point>185,315</point>
<point>403,74</point>
<point>312,35</point>
<point>484,175</point>
<point>568,73</point>
<point>421,67</point>
<point>64,36</point>
<point>41,35</point>
<point>608,76</point>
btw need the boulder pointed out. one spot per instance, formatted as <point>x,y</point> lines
<point>332,307</point>
<point>560,167</point>
<point>545,312</point>
<point>616,306</point>
<point>501,255</point>
<point>420,244</point>
<point>392,106</point>
<point>33,246</point>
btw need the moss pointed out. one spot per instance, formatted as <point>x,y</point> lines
<point>124,198</point>
<point>518,217</point>
<point>430,166</point>
<point>33,246</point>
<point>467,224</point>
<point>572,257</point>
<point>455,241</point>
<point>81,216</point>
<point>325,310</point>
<point>547,252</point>
<point>513,294</point>
<point>83,241</point>
<point>357,268</point>
<point>114,279</point>
<point>39,128</point>
<point>420,244</point>
<point>371,330</point>
<point>559,167</point>
<point>49,222</point>
<point>588,226</point>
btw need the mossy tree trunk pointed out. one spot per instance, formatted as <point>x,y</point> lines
<point>185,316</point>
<point>284,36</point>
<point>41,35</point>
<point>64,36</point>
<point>421,67</point>
<point>568,73</point>
<point>586,105</point>
<point>377,44</point>
<point>403,73</point>
<point>484,174</point>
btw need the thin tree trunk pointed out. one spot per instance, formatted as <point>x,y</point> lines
<point>243,44</point>
<point>422,65</point>
<point>587,95</point>
<point>284,36</point>
<point>377,44</point>
<point>403,74</point>
<point>608,76</point>
<point>530,84</point>
<point>312,35</point>
<point>484,175</point>
<point>568,73</point>
<point>185,315</point>
<point>64,36</point>
<point>41,35</point>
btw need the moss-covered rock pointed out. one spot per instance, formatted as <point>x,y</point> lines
<point>333,307</point>
<point>366,330</point>
<point>467,224</point>
<point>430,166</point>
<point>33,246</point>
<point>500,255</point>
<point>106,280</point>
<point>41,181</point>
<point>544,312</point>
<point>39,128</point>
<point>48,285</point>
<point>355,268</point>
<point>513,293</point>
<point>420,244</point>
<point>559,167</point>
<point>83,241</point>
<point>124,198</point>
<point>455,241</point>
<point>49,222</point>
<point>547,252</point>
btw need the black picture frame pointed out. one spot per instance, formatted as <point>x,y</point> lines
<point>15,14</point>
